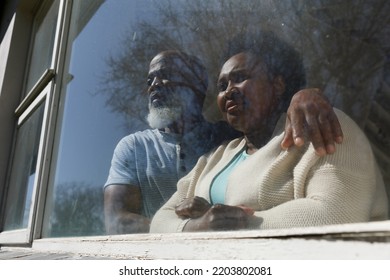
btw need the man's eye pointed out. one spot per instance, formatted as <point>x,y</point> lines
<point>149,81</point>
<point>222,86</point>
<point>240,78</point>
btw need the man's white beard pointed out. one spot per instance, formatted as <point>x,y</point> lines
<point>162,117</point>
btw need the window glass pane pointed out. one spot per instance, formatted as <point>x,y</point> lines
<point>90,127</point>
<point>23,172</point>
<point>110,47</point>
<point>45,24</point>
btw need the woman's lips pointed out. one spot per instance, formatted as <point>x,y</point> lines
<point>231,107</point>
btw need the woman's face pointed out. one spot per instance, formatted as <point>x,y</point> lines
<point>246,96</point>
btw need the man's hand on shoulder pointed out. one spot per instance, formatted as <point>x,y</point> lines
<point>311,112</point>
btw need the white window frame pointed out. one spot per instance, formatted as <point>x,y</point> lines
<point>42,91</point>
<point>24,235</point>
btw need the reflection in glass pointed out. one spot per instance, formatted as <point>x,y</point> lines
<point>109,49</point>
<point>44,33</point>
<point>343,43</point>
<point>88,129</point>
<point>23,172</point>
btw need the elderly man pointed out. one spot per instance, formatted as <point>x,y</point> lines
<point>146,165</point>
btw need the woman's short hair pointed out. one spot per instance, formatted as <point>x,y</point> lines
<point>280,59</point>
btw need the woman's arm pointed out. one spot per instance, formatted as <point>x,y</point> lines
<point>166,219</point>
<point>340,188</point>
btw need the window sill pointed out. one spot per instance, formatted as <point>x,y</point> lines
<point>348,241</point>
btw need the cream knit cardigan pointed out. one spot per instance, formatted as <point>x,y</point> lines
<point>293,188</point>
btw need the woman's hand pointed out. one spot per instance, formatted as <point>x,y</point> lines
<point>221,217</point>
<point>193,207</point>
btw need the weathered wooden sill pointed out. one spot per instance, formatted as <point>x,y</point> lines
<point>347,241</point>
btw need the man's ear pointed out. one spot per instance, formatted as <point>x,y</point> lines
<point>279,86</point>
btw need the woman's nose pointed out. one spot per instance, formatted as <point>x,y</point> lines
<point>231,91</point>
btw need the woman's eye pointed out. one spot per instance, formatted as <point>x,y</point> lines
<point>222,86</point>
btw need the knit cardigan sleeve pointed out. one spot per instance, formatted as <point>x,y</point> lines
<point>345,187</point>
<point>165,219</point>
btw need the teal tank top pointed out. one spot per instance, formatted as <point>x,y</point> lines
<point>219,184</point>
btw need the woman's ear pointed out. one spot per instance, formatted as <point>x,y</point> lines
<point>279,86</point>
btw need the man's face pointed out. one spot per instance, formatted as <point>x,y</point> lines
<point>171,93</point>
<point>163,77</point>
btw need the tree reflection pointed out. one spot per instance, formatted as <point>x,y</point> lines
<point>341,42</point>
<point>197,27</point>
<point>345,44</point>
<point>78,210</point>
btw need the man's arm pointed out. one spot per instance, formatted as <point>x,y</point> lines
<point>310,110</point>
<point>122,210</point>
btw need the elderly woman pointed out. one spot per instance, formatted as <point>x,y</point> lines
<point>250,182</point>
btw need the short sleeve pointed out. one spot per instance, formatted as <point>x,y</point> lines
<point>123,165</point>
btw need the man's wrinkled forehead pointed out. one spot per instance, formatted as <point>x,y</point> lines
<point>171,64</point>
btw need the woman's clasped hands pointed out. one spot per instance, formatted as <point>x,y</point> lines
<point>204,216</point>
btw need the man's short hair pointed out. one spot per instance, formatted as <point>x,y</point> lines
<point>192,69</point>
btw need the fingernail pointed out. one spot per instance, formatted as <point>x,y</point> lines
<point>320,151</point>
<point>339,139</point>
<point>299,141</point>
<point>330,149</point>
